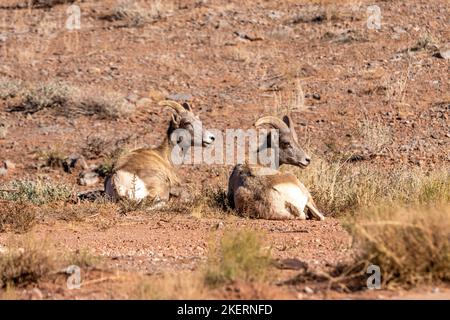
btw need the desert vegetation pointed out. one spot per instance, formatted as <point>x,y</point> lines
<point>63,99</point>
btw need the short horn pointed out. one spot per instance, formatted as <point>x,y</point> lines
<point>273,121</point>
<point>174,105</point>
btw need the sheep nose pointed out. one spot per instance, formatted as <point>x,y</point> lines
<point>212,137</point>
<point>307,160</point>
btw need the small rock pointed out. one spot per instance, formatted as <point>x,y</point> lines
<point>133,98</point>
<point>316,96</point>
<point>71,162</point>
<point>36,294</point>
<point>220,225</point>
<point>435,290</point>
<point>88,178</point>
<point>444,52</point>
<point>3,131</point>
<point>292,264</point>
<point>399,30</point>
<point>94,70</point>
<point>246,36</point>
<point>275,15</point>
<point>9,164</point>
<point>222,24</point>
<point>3,171</point>
<point>308,290</point>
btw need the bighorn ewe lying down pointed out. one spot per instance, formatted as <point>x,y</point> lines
<point>150,172</point>
<point>267,193</point>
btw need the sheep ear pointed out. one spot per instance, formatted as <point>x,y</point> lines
<point>187,106</point>
<point>288,120</point>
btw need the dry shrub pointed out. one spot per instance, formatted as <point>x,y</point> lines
<point>82,258</point>
<point>342,187</point>
<point>184,285</point>
<point>10,88</point>
<point>20,4</point>
<point>410,245</point>
<point>66,100</point>
<point>240,256</point>
<point>16,217</point>
<point>375,135</point>
<point>211,201</point>
<point>95,146</point>
<point>138,13</point>
<point>53,158</point>
<point>52,95</point>
<point>36,192</point>
<point>240,54</point>
<point>26,262</point>
<point>49,3</point>
<point>426,41</point>
<point>9,293</point>
<point>109,105</point>
<point>82,211</point>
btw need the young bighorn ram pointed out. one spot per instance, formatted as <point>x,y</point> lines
<point>266,193</point>
<point>150,172</point>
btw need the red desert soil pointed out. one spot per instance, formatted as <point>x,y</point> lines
<point>348,74</point>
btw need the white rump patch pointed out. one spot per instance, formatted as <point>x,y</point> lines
<point>128,185</point>
<point>291,193</point>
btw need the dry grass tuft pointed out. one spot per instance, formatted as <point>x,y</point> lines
<point>375,135</point>
<point>53,158</point>
<point>16,217</point>
<point>95,147</point>
<point>426,42</point>
<point>109,105</point>
<point>49,3</point>
<point>26,263</point>
<point>341,187</point>
<point>185,285</point>
<point>36,192</point>
<point>240,256</point>
<point>82,258</point>
<point>134,14</point>
<point>66,100</point>
<point>20,4</point>
<point>211,201</point>
<point>410,245</point>
<point>10,88</point>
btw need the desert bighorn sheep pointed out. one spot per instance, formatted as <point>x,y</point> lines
<point>267,193</point>
<point>149,172</point>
